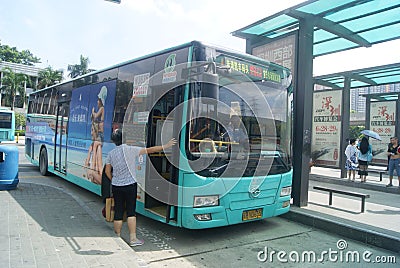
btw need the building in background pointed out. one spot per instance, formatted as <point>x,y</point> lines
<point>358,101</point>
<point>31,71</point>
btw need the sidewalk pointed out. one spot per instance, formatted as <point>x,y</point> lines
<point>46,223</point>
<point>43,226</point>
<point>377,226</point>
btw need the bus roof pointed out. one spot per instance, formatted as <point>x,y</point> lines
<point>192,43</point>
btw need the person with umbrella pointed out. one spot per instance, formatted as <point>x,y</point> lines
<point>371,134</point>
<point>394,161</point>
<point>364,156</point>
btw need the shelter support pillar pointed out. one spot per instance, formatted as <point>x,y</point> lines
<point>345,119</point>
<point>303,95</point>
<point>367,112</point>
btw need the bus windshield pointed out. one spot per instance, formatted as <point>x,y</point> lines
<point>5,120</point>
<point>244,133</point>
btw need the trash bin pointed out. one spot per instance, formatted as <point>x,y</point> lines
<point>8,167</point>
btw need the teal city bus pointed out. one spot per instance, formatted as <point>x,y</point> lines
<point>229,111</point>
<point>7,124</point>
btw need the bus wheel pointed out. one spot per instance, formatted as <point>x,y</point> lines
<point>43,163</point>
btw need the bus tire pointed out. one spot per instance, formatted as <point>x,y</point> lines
<point>43,162</point>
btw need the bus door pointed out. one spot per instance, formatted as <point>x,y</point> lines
<point>60,142</point>
<point>162,176</point>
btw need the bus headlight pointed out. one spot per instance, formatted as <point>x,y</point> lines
<point>203,217</point>
<point>286,191</point>
<point>285,204</point>
<point>206,201</point>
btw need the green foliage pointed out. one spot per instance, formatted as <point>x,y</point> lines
<point>20,120</point>
<point>355,132</point>
<point>31,82</point>
<point>49,77</point>
<point>11,54</point>
<point>82,68</point>
<point>20,132</point>
<point>13,83</point>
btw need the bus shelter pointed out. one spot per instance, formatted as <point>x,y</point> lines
<point>330,132</point>
<point>295,36</point>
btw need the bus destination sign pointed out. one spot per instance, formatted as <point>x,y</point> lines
<point>252,70</point>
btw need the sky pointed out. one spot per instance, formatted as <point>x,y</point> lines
<point>59,31</point>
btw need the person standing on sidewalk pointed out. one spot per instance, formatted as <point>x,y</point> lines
<point>124,185</point>
<point>388,157</point>
<point>394,162</point>
<point>351,162</point>
<point>364,156</point>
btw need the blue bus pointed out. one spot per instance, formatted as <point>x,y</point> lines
<point>7,125</point>
<point>229,111</point>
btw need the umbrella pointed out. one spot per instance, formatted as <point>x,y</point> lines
<point>371,134</point>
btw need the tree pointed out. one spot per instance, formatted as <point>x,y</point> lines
<point>11,54</point>
<point>49,77</point>
<point>355,131</point>
<point>82,68</point>
<point>13,83</point>
<point>20,120</point>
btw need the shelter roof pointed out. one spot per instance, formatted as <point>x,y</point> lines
<point>373,76</point>
<point>383,96</point>
<point>338,25</point>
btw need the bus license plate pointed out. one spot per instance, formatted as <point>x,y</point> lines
<point>252,214</point>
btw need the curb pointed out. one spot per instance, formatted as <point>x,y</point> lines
<point>364,233</point>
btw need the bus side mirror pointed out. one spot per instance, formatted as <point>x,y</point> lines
<point>208,77</point>
<point>209,88</point>
<point>2,157</point>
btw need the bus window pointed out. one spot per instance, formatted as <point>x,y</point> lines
<point>46,101</point>
<point>122,99</point>
<point>40,103</point>
<point>30,106</point>
<point>7,125</point>
<point>52,102</point>
<point>5,120</point>
<point>105,76</point>
<point>36,106</point>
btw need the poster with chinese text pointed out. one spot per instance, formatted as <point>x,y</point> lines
<point>382,121</point>
<point>281,51</point>
<point>326,127</point>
